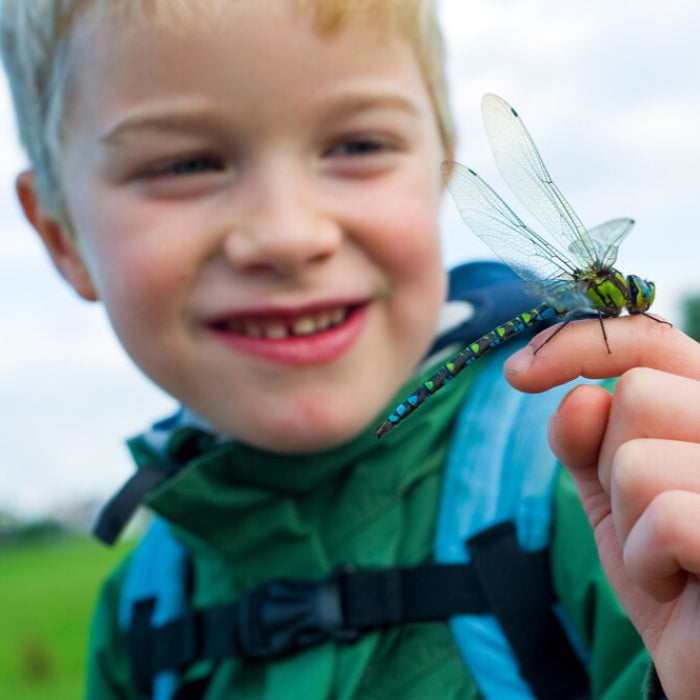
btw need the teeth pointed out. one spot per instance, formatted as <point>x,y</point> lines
<point>275,331</point>
<point>337,316</point>
<point>323,321</point>
<point>305,325</point>
<point>300,326</point>
<point>252,329</point>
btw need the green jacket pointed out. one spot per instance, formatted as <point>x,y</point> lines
<point>247,516</point>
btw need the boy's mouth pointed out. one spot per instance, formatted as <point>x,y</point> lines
<point>281,327</point>
<point>308,336</point>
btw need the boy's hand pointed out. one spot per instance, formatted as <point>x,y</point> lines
<point>635,458</point>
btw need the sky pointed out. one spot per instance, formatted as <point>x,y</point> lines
<point>610,92</point>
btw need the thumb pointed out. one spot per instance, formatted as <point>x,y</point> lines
<point>576,433</point>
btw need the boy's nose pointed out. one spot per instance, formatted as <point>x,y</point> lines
<point>282,231</point>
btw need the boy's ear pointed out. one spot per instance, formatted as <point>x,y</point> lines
<point>59,243</point>
<point>449,158</point>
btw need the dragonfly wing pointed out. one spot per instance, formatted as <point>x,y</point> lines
<point>489,217</point>
<point>522,168</point>
<point>607,238</point>
<point>561,294</point>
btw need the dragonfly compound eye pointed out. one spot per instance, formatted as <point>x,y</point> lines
<point>642,293</point>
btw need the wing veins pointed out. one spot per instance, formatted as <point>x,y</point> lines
<point>522,168</point>
<point>478,203</point>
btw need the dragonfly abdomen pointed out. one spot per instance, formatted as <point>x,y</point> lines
<point>469,354</point>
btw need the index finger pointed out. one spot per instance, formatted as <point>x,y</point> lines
<point>579,351</point>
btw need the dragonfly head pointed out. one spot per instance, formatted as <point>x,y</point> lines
<point>642,293</point>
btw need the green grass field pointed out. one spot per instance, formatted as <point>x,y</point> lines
<point>47,593</point>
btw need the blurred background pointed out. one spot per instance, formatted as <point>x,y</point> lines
<point>610,92</point>
<point>611,95</point>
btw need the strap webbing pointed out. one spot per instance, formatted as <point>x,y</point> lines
<point>119,509</point>
<point>180,446</point>
<point>520,596</point>
<point>374,599</point>
<point>280,618</point>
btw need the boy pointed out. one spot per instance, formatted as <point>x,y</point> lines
<point>251,188</point>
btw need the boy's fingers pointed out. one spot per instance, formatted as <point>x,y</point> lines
<point>664,545</point>
<point>579,350</point>
<point>648,403</point>
<point>576,432</point>
<point>643,470</point>
<point>577,429</point>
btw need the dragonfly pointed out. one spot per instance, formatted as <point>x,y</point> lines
<point>567,266</point>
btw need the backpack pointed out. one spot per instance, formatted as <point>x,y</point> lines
<point>491,577</point>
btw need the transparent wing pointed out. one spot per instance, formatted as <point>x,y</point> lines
<point>607,238</point>
<point>525,173</point>
<point>530,255</point>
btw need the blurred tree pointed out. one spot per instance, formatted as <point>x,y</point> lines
<point>691,315</point>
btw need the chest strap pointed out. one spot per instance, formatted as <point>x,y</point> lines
<point>281,617</point>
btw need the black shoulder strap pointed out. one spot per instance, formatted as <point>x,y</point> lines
<point>183,445</point>
<point>115,514</point>
<point>282,617</point>
<point>518,587</point>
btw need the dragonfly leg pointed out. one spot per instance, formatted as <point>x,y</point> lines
<point>605,335</point>
<point>658,320</point>
<point>576,317</point>
<point>555,332</point>
<point>601,317</point>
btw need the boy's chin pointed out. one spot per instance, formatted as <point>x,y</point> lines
<point>302,437</point>
<point>303,442</point>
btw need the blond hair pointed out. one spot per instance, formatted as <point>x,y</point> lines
<point>34,38</point>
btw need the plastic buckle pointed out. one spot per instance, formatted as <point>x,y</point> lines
<point>281,617</point>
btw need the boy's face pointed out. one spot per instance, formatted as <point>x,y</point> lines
<point>256,205</point>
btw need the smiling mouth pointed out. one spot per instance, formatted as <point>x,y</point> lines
<point>279,327</point>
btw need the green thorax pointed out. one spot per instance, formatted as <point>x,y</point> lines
<point>607,290</point>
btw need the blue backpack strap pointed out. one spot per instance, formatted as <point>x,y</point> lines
<point>500,470</point>
<point>154,592</point>
<point>481,295</point>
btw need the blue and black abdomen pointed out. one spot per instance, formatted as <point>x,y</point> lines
<point>465,357</point>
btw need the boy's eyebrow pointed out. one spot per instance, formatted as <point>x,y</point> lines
<point>165,119</point>
<point>168,118</point>
<point>363,102</point>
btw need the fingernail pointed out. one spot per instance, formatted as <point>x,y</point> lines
<point>519,362</point>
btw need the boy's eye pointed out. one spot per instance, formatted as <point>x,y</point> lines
<point>362,156</point>
<point>183,176</point>
<point>194,165</point>
<point>359,147</point>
